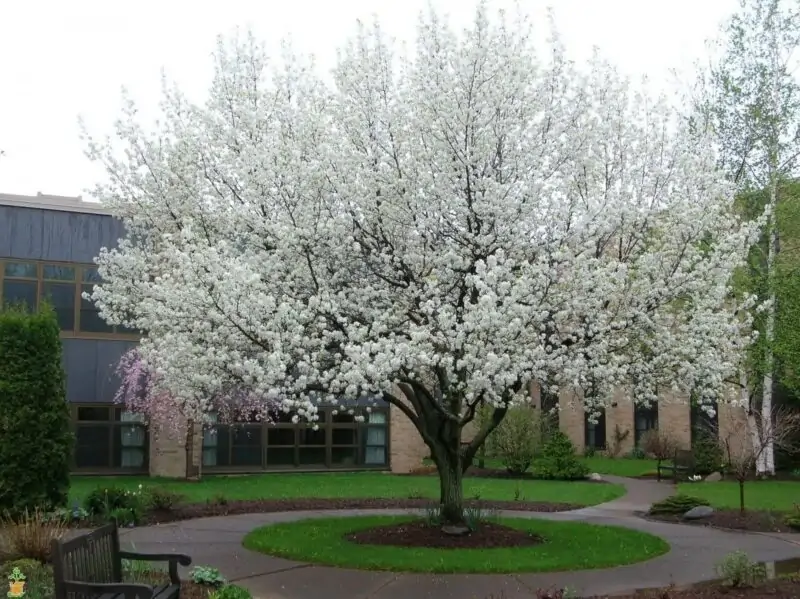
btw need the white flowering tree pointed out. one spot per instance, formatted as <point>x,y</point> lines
<point>434,227</point>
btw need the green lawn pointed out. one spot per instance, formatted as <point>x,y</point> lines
<point>356,485</point>
<point>758,495</point>
<point>567,546</point>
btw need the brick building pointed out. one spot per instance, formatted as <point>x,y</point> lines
<point>47,248</point>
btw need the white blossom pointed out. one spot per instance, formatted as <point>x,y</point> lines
<point>469,218</point>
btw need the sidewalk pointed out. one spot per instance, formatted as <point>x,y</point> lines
<point>695,550</point>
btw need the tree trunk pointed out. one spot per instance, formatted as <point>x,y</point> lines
<point>451,497</point>
<point>741,495</point>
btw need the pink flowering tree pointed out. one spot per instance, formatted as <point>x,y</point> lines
<point>141,392</point>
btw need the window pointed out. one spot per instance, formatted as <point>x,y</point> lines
<point>596,431</point>
<point>340,441</point>
<point>62,285</point>
<point>645,418</point>
<point>550,412</point>
<point>108,438</point>
<point>702,423</point>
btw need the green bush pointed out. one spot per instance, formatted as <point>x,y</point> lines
<point>737,570</point>
<point>38,577</point>
<point>162,500</point>
<point>708,455</point>
<point>208,576</point>
<point>231,591</point>
<point>124,505</point>
<point>517,439</point>
<point>35,439</point>
<point>677,504</point>
<point>559,460</point>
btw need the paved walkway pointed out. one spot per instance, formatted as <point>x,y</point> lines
<point>694,551</point>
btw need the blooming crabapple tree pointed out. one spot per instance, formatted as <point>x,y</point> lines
<point>437,227</point>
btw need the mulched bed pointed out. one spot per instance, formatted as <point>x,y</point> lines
<point>256,506</point>
<point>475,472</point>
<point>419,533</point>
<point>775,589</point>
<point>190,590</point>
<point>751,520</point>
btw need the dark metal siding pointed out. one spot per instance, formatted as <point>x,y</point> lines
<point>37,234</point>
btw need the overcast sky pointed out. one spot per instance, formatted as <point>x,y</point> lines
<point>61,59</point>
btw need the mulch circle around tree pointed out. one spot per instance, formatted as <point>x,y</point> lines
<point>258,506</point>
<point>419,533</point>
<point>750,521</point>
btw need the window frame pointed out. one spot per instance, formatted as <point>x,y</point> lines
<point>327,426</point>
<point>114,423</point>
<point>78,283</point>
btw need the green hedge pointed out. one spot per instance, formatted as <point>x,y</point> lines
<point>35,438</point>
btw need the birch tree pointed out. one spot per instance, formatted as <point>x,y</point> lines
<point>434,228</point>
<point>752,107</point>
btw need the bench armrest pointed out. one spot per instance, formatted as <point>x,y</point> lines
<point>172,558</point>
<point>129,591</point>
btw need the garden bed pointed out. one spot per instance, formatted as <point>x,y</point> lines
<point>750,521</point>
<point>774,589</point>
<point>255,506</point>
<point>501,473</point>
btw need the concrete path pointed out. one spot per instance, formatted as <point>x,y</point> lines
<point>694,552</point>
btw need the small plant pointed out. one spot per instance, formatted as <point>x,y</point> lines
<point>231,591</point>
<point>589,451</point>
<point>219,500</point>
<point>708,454</point>
<point>637,453</point>
<point>208,576</point>
<point>104,500</point>
<point>676,504</point>
<point>618,438</point>
<point>738,570</point>
<point>433,515</point>
<point>162,500</point>
<point>554,593</point>
<point>476,515</point>
<point>415,494</point>
<point>793,520</point>
<point>29,535</point>
<point>517,492</point>
<point>795,473</point>
<point>559,461</point>
<point>517,439</point>
<point>124,516</point>
<point>138,571</point>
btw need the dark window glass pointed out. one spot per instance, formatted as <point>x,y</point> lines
<point>19,292</point>
<point>62,298</point>
<point>92,444</point>
<point>645,418</point>
<point>126,331</point>
<point>702,424</point>
<point>309,436</point>
<point>596,432</point>
<point>344,456</point>
<point>56,272</point>
<point>245,456</point>
<point>343,418</point>
<point>280,456</point>
<point>24,270</point>
<point>223,445</point>
<point>344,436</point>
<point>90,275</point>
<point>280,417</point>
<point>94,413</point>
<point>129,447</point>
<point>374,456</point>
<point>280,436</point>
<point>246,435</point>
<point>90,321</point>
<point>312,456</point>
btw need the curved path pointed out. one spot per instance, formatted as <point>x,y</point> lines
<point>694,550</point>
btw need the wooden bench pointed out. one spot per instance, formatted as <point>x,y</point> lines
<point>682,464</point>
<point>90,567</point>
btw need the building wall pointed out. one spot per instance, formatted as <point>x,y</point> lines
<point>406,447</point>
